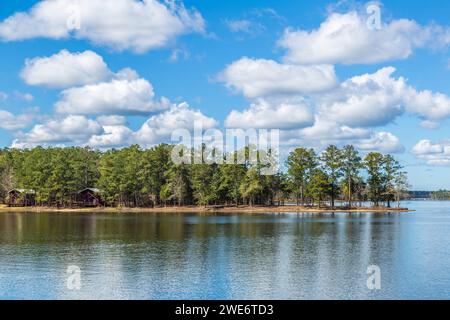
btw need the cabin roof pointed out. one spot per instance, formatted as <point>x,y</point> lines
<point>26,191</point>
<point>93,190</point>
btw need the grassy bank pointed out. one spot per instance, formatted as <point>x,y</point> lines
<point>209,209</point>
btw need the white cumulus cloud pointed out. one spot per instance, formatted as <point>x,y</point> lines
<point>261,77</point>
<point>161,126</point>
<point>118,96</point>
<point>434,154</point>
<point>324,133</point>
<point>365,101</point>
<point>329,132</point>
<point>120,24</point>
<point>112,131</point>
<point>10,121</point>
<point>90,87</point>
<point>112,120</point>
<point>113,136</point>
<point>65,69</point>
<point>384,142</point>
<point>73,129</point>
<point>377,99</point>
<point>426,147</point>
<point>272,114</point>
<point>345,38</point>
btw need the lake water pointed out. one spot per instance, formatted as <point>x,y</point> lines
<point>195,256</point>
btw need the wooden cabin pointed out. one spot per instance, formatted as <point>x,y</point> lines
<point>21,198</point>
<point>89,197</point>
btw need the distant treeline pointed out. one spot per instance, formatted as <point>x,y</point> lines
<point>419,194</point>
<point>135,177</point>
<point>440,195</point>
<point>432,195</point>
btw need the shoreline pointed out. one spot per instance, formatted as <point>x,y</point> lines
<point>200,209</point>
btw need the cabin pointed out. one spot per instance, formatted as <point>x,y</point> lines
<point>21,198</point>
<point>89,197</point>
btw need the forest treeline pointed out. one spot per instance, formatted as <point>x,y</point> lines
<point>440,195</point>
<point>134,177</point>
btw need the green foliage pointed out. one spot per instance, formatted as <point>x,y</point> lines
<point>351,164</point>
<point>227,181</point>
<point>7,178</point>
<point>301,162</point>
<point>179,184</point>
<point>391,177</point>
<point>156,163</point>
<point>252,185</point>
<point>332,160</point>
<point>385,177</point>
<point>134,177</point>
<point>202,178</point>
<point>319,186</point>
<point>374,164</point>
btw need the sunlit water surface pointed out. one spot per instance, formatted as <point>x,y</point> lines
<point>195,256</point>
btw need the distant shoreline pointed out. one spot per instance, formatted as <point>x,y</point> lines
<point>201,209</point>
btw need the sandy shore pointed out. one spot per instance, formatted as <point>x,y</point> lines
<point>196,209</point>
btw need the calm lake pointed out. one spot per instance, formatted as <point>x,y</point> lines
<point>195,256</point>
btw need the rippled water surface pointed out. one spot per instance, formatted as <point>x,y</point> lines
<point>195,256</point>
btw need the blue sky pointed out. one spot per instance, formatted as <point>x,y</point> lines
<point>231,64</point>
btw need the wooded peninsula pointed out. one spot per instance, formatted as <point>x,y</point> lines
<point>132,177</point>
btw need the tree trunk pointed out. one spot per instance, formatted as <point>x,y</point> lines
<point>349,192</point>
<point>303,195</point>
<point>332,196</point>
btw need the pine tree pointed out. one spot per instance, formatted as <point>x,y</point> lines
<point>333,164</point>
<point>300,164</point>
<point>391,169</point>
<point>351,164</point>
<point>251,186</point>
<point>374,166</point>
<point>319,186</point>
